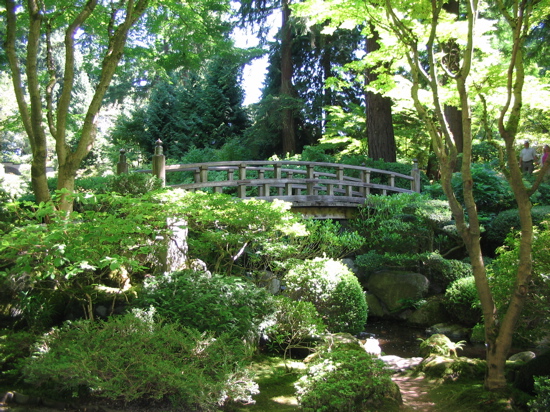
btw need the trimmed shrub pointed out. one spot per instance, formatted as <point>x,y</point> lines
<point>507,221</point>
<point>215,303</point>
<point>441,272</point>
<point>492,192</point>
<point>296,325</point>
<point>462,301</point>
<point>333,289</point>
<point>346,380</point>
<point>131,357</point>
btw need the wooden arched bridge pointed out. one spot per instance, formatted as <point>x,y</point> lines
<point>319,189</point>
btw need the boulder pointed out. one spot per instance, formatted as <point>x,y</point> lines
<point>430,313</point>
<point>453,332</point>
<point>376,310</point>
<point>522,356</point>
<point>393,288</point>
<point>539,366</point>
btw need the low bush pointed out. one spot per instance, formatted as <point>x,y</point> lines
<point>492,191</point>
<point>333,289</point>
<point>507,221</point>
<point>541,403</point>
<point>534,325</point>
<point>346,381</point>
<point>296,325</point>
<point>215,303</point>
<point>462,301</point>
<point>405,223</point>
<point>132,357</point>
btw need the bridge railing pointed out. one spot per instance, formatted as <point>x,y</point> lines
<point>294,181</point>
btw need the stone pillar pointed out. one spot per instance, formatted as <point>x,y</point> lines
<point>159,163</point>
<point>122,165</point>
<point>415,173</point>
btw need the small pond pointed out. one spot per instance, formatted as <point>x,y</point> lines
<point>400,339</point>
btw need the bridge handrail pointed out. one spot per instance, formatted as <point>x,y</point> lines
<point>335,186</point>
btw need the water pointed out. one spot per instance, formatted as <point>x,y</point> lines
<point>403,340</point>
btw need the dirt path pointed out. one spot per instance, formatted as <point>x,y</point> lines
<point>414,392</point>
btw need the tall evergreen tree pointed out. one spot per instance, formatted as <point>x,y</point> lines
<point>191,110</point>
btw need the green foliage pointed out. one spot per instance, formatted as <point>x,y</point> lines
<point>134,184</point>
<point>296,324</point>
<point>507,221</point>
<point>219,304</point>
<point>439,344</point>
<point>224,230</point>
<point>72,257</point>
<point>486,151</point>
<point>436,268</point>
<point>491,190</point>
<point>344,380</point>
<point>541,403</point>
<point>132,357</point>
<point>443,271</point>
<point>534,324</point>
<point>202,109</point>
<point>322,238</point>
<point>14,346</point>
<point>403,223</point>
<point>333,289</point>
<point>462,301</point>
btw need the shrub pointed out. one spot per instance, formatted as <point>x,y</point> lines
<point>492,192</point>
<point>135,184</point>
<point>541,403</point>
<point>404,223</point>
<point>296,324</point>
<point>220,304</point>
<point>534,324</point>
<point>442,272</point>
<point>333,289</point>
<point>350,380</point>
<point>14,346</point>
<point>131,357</point>
<point>507,221</point>
<point>462,301</point>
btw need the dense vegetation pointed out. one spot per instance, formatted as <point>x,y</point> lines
<point>111,286</point>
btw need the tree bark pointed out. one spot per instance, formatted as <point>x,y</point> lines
<point>380,134</point>
<point>287,91</point>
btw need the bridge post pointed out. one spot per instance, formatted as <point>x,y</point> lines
<point>159,163</point>
<point>415,173</point>
<point>241,189</point>
<point>122,165</point>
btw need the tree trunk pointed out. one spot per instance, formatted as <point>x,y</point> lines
<point>380,134</point>
<point>288,120</point>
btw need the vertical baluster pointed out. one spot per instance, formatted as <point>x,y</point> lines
<point>241,189</point>
<point>310,176</point>
<point>277,172</point>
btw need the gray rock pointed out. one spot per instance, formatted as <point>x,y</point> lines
<point>394,287</point>
<point>376,310</point>
<point>430,313</point>
<point>522,356</point>
<point>453,332</point>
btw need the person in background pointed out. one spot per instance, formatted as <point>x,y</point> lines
<point>527,158</point>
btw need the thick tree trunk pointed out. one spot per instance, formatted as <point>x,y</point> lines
<point>288,119</point>
<point>380,134</point>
